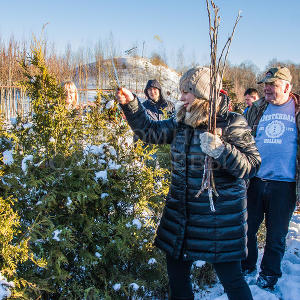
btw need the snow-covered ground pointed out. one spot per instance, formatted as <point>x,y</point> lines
<point>139,70</point>
<point>4,287</point>
<point>134,73</point>
<point>288,286</point>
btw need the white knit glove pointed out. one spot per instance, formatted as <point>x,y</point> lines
<point>211,144</point>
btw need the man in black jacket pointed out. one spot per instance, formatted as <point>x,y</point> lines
<point>155,103</point>
<point>189,229</point>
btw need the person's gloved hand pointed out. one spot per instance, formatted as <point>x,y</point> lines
<point>211,144</point>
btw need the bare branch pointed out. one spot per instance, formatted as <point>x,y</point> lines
<point>216,66</point>
<point>229,44</point>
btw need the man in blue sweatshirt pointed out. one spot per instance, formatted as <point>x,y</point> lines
<point>275,123</point>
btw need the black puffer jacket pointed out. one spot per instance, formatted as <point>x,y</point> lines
<point>188,228</point>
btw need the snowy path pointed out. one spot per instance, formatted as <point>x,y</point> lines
<point>288,286</point>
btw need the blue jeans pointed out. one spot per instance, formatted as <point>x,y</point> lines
<point>229,273</point>
<point>276,201</point>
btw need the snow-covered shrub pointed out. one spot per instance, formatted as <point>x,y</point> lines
<point>88,203</point>
<point>203,274</point>
<point>14,248</point>
<point>5,287</point>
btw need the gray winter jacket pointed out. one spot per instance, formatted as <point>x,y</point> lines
<point>188,228</point>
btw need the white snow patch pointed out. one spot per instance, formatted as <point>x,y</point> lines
<point>112,151</point>
<point>7,157</point>
<point>152,261</point>
<point>103,195</point>
<point>4,287</point>
<point>137,223</point>
<point>116,286</point>
<point>101,175</point>
<point>112,165</point>
<point>109,104</point>
<point>128,225</point>
<point>199,263</point>
<point>134,286</point>
<point>101,161</point>
<point>24,160</point>
<point>69,201</point>
<point>56,234</point>
<point>94,149</point>
<point>27,125</point>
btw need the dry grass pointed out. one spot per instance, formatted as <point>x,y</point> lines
<point>157,60</point>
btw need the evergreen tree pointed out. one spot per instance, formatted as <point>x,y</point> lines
<point>82,200</point>
<point>88,203</point>
<point>14,248</point>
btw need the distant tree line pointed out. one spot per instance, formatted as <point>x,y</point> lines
<point>88,63</point>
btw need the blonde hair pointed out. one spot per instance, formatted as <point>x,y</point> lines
<point>198,114</point>
<point>70,85</point>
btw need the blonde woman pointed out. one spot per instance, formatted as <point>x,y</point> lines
<point>71,94</point>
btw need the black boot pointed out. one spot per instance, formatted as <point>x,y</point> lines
<point>249,272</point>
<point>266,281</point>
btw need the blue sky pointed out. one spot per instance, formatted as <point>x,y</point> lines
<point>268,28</point>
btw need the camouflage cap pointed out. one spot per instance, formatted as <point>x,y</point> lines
<point>277,73</point>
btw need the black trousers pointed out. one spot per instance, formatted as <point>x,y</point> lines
<point>229,273</point>
<point>276,200</point>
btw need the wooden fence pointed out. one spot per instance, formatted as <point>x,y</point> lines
<point>14,100</point>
